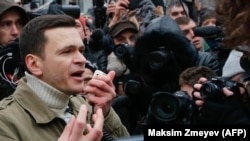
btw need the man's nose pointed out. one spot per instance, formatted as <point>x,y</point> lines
<point>81,58</point>
<point>192,33</point>
<point>130,43</point>
<point>14,30</point>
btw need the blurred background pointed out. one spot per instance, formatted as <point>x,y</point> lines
<point>86,4</point>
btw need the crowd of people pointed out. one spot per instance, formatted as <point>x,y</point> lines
<point>148,51</point>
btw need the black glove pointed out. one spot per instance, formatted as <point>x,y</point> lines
<point>230,111</point>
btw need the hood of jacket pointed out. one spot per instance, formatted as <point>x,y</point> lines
<point>164,37</point>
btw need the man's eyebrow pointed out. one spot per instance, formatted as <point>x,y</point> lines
<point>73,46</point>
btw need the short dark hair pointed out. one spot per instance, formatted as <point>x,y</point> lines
<point>177,3</point>
<point>182,20</point>
<point>206,13</point>
<point>32,38</point>
<point>191,75</point>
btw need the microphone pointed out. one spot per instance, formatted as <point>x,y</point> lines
<point>98,41</point>
<point>97,34</point>
<point>208,31</point>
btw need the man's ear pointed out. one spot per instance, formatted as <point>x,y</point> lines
<point>33,64</point>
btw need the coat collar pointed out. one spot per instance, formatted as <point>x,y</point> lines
<point>33,105</point>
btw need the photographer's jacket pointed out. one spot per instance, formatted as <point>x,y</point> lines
<point>208,60</point>
<point>25,117</point>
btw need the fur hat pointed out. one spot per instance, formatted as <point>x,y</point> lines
<point>162,53</point>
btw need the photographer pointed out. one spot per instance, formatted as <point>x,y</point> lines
<point>232,110</point>
<point>187,25</point>
<point>191,75</point>
<point>12,20</point>
<point>225,107</point>
<point>161,53</point>
<point>127,20</point>
<point>124,34</point>
<point>123,30</point>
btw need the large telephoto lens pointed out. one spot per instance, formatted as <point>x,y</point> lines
<point>164,107</point>
<point>157,60</point>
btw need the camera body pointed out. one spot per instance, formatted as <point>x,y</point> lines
<point>166,108</point>
<point>213,89</point>
<point>54,8</point>
<point>99,13</point>
<point>123,51</point>
<point>71,10</point>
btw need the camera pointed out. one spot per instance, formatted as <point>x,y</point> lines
<point>132,88</point>
<point>157,59</point>
<point>99,13</point>
<point>123,51</point>
<point>72,10</point>
<point>213,35</point>
<point>166,108</point>
<point>55,9</point>
<point>213,89</point>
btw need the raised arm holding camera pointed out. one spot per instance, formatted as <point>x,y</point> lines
<point>117,10</point>
<point>220,102</point>
<point>227,107</point>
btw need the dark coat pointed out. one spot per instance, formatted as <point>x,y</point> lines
<point>208,60</point>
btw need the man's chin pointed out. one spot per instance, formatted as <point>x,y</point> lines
<point>79,89</point>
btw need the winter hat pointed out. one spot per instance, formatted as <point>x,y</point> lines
<point>232,64</point>
<point>82,20</point>
<point>161,53</point>
<point>10,4</point>
<point>121,26</point>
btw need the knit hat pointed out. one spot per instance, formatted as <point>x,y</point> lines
<point>121,26</point>
<point>232,65</point>
<point>10,4</point>
<point>82,20</point>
